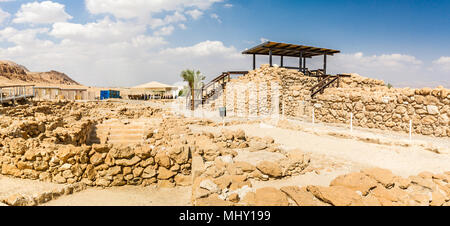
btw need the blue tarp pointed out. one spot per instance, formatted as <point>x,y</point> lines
<point>108,94</point>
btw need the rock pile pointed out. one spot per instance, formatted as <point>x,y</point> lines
<point>221,180</point>
<point>370,187</point>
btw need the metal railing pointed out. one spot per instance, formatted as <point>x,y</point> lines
<point>16,92</point>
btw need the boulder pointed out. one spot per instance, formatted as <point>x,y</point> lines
<point>212,200</point>
<point>383,176</point>
<point>270,168</point>
<point>256,145</point>
<point>149,172</point>
<point>122,153</point>
<point>163,160</point>
<point>209,185</point>
<point>437,199</point>
<point>143,152</point>
<point>301,196</point>
<point>183,180</point>
<point>97,159</point>
<point>239,135</point>
<point>165,174</point>
<point>244,166</point>
<point>355,181</point>
<point>432,110</point>
<point>112,171</point>
<point>65,153</point>
<point>335,195</point>
<point>402,183</point>
<point>11,170</point>
<point>100,148</point>
<point>384,194</point>
<point>269,196</point>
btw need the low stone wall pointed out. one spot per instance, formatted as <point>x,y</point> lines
<point>388,109</point>
<point>42,197</point>
<point>98,165</point>
<point>48,143</point>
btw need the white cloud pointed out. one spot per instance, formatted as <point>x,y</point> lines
<point>394,68</point>
<point>176,17</point>
<point>169,19</point>
<point>443,63</point>
<point>143,8</point>
<point>164,31</point>
<point>202,49</point>
<point>46,12</point>
<point>228,5</point>
<point>122,51</point>
<point>216,17</point>
<point>21,37</point>
<point>385,61</point>
<point>3,16</point>
<point>397,69</point>
<point>104,30</point>
<point>195,14</point>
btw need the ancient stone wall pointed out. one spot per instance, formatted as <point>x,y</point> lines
<point>389,109</point>
<point>97,165</point>
<point>273,91</point>
<point>251,99</point>
<point>47,141</point>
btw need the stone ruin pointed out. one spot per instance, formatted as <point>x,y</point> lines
<point>48,142</point>
<point>274,92</point>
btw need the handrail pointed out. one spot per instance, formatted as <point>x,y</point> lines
<point>217,80</point>
<point>325,85</point>
<point>321,82</point>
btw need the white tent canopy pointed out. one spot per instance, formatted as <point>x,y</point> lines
<point>155,85</point>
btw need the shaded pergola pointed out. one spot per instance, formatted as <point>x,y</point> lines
<point>301,52</point>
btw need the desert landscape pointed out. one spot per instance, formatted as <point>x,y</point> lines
<point>357,143</point>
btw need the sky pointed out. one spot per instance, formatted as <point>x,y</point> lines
<point>123,43</point>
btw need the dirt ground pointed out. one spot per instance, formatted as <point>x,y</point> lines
<point>334,155</point>
<point>127,196</point>
<point>10,186</point>
<point>352,154</point>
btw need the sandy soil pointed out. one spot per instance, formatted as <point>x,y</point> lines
<point>351,154</point>
<point>127,196</point>
<point>332,155</point>
<point>10,186</point>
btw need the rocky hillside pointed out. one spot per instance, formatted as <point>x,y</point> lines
<point>11,72</point>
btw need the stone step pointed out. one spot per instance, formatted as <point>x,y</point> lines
<point>119,128</point>
<point>127,136</point>
<point>122,126</point>
<point>124,142</point>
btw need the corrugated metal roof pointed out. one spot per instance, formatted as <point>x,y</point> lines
<point>291,50</point>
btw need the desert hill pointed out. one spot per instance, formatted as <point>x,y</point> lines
<point>12,73</point>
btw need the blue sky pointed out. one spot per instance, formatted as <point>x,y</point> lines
<point>128,42</point>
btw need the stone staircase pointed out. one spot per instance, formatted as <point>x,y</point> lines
<point>121,132</point>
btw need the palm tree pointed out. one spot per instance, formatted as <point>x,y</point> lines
<point>194,80</point>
